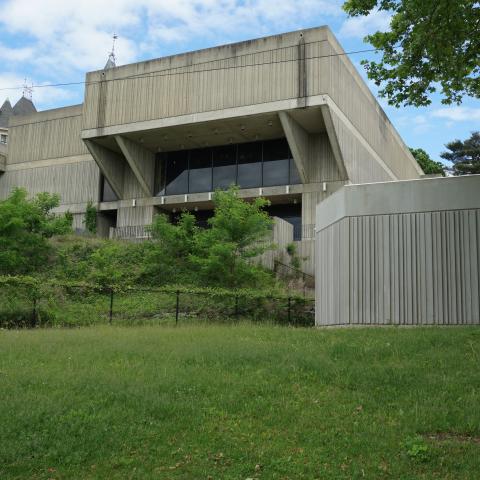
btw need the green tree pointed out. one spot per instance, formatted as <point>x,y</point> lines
<point>430,43</point>
<point>428,165</point>
<point>238,232</point>
<point>25,226</point>
<point>465,155</point>
<point>167,256</point>
<point>90,220</point>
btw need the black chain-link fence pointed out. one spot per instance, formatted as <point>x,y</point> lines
<point>78,305</point>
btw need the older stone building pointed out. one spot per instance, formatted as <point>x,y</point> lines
<point>286,117</point>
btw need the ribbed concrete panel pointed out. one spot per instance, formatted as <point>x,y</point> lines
<point>361,161</point>
<point>78,221</point>
<point>75,182</point>
<point>321,165</point>
<point>128,216</point>
<point>124,95</point>
<point>40,137</point>
<point>409,268</point>
<point>282,235</point>
<point>336,76</point>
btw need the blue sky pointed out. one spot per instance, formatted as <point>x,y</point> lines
<point>57,41</point>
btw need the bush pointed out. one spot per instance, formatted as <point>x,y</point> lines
<point>90,220</point>
<point>25,226</point>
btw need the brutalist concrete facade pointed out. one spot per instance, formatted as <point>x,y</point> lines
<point>118,146</point>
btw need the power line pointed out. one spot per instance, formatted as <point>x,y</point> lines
<point>160,73</point>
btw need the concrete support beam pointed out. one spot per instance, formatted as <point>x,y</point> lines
<point>111,165</point>
<point>141,161</point>
<point>298,140</point>
<point>332,136</point>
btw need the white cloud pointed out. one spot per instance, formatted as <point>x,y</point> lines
<point>77,34</point>
<point>458,114</point>
<point>359,27</point>
<point>8,54</point>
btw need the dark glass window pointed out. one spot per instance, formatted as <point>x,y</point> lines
<point>291,213</point>
<point>276,156</point>
<point>224,166</point>
<point>177,173</point>
<point>107,194</point>
<point>200,171</point>
<point>160,166</point>
<point>249,165</point>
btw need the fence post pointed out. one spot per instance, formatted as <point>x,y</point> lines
<point>289,309</point>
<point>34,312</point>
<point>111,305</point>
<point>177,307</point>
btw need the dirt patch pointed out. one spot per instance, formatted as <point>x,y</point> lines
<point>452,437</point>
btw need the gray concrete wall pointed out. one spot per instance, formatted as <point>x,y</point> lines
<point>402,253</point>
<point>52,134</point>
<point>282,235</point>
<point>46,154</point>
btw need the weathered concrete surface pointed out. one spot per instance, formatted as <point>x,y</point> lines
<point>403,253</point>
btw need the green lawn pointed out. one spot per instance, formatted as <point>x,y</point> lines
<point>239,402</point>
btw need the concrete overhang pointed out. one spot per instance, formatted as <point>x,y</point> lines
<point>200,134</point>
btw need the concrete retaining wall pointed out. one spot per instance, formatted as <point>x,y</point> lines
<point>402,253</point>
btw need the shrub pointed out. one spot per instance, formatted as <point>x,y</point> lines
<point>25,226</point>
<point>90,220</point>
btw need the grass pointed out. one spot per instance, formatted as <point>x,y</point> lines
<point>237,402</point>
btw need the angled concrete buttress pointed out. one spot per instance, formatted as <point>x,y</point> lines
<point>141,161</point>
<point>298,141</point>
<point>111,164</point>
<point>332,136</point>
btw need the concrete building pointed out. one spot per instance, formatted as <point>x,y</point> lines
<point>24,106</point>
<point>286,117</point>
<point>400,253</point>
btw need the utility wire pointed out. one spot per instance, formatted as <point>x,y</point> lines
<point>161,73</point>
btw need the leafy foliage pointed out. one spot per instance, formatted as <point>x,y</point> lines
<point>429,43</point>
<point>295,260</point>
<point>428,165</point>
<point>238,233</point>
<point>416,448</point>
<point>465,155</point>
<point>167,256</point>
<point>177,254</point>
<point>25,226</point>
<point>103,263</point>
<point>90,220</point>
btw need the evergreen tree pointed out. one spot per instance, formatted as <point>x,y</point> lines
<point>465,155</point>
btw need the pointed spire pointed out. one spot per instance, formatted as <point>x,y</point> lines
<point>6,111</point>
<point>111,62</point>
<point>24,106</point>
<point>6,107</point>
